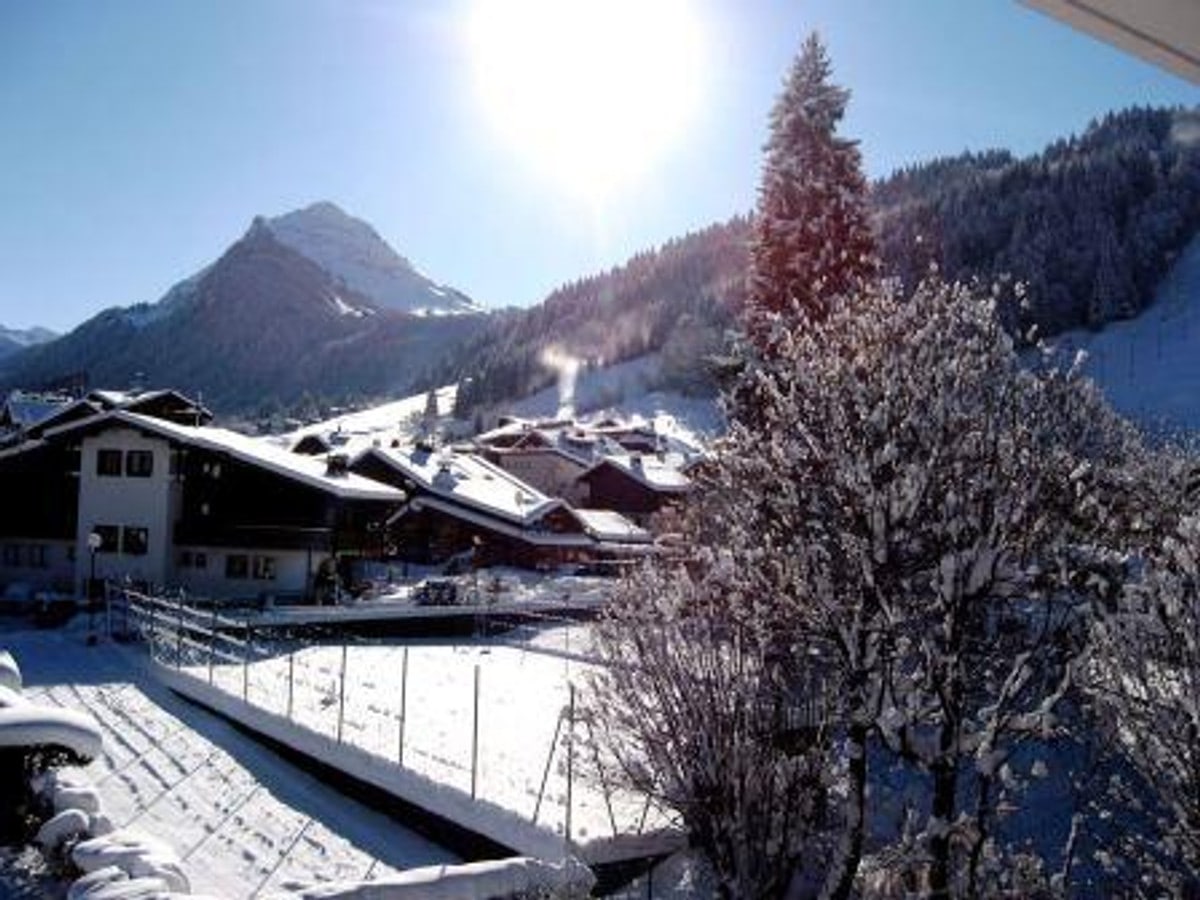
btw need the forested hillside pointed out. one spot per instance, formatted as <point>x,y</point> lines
<point>678,300</point>
<point>1090,226</point>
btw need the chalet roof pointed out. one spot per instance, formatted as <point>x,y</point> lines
<point>23,409</point>
<point>253,451</point>
<point>468,480</point>
<point>649,471</point>
<point>606,525</point>
<point>578,459</point>
<point>139,401</point>
<point>100,401</point>
<point>494,523</point>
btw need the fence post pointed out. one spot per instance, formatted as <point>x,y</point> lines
<point>475,736</point>
<point>403,706</point>
<point>179,633</point>
<point>342,696</point>
<point>212,639</point>
<point>291,681</point>
<point>108,609</point>
<point>570,757</point>
<point>246,662</point>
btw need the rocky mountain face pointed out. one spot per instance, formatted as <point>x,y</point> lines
<point>313,303</point>
<point>360,261</point>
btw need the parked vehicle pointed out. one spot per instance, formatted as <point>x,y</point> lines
<point>437,592</point>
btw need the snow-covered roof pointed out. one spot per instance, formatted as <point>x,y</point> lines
<point>578,459</point>
<point>305,469</point>
<point>25,409</point>
<point>31,725</point>
<point>606,525</point>
<point>649,471</point>
<point>493,523</point>
<point>468,480</point>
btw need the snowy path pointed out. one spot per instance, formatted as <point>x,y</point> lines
<point>245,822</point>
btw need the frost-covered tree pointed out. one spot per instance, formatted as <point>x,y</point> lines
<point>904,533</point>
<point>812,239</point>
<point>922,492</point>
<point>1145,677</point>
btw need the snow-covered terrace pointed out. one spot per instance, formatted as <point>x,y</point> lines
<point>244,822</point>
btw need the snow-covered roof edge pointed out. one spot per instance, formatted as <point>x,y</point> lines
<point>304,469</point>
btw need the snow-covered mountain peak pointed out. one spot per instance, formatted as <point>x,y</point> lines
<point>354,254</point>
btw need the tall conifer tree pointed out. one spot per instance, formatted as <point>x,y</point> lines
<point>812,237</point>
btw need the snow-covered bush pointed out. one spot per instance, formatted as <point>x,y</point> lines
<point>33,741</point>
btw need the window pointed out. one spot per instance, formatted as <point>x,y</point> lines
<point>108,463</point>
<point>110,536</point>
<point>135,540</point>
<point>139,463</point>
<point>264,568</point>
<point>12,554</point>
<point>37,556</point>
<point>237,566</point>
<point>189,559</point>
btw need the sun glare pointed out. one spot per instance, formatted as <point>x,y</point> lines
<point>589,92</point>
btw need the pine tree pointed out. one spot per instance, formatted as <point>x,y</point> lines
<point>812,237</point>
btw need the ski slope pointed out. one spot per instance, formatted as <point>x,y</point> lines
<point>1149,367</point>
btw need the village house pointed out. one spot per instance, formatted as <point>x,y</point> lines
<point>201,508</point>
<point>634,484</point>
<point>624,467</point>
<point>460,504</point>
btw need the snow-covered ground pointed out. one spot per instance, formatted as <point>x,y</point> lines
<point>244,822</point>
<point>1149,367</point>
<point>397,419</point>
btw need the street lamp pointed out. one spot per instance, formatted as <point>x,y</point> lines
<point>94,542</point>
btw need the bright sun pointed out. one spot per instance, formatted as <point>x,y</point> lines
<point>590,92</point>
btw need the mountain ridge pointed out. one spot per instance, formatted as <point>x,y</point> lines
<point>263,323</point>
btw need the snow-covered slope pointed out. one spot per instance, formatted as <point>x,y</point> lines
<point>1149,367</point>
<point>625,390</point>
<point>355,255</point>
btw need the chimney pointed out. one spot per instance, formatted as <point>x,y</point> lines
<point>337,465</point>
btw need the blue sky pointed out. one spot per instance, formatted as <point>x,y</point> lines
<point>140,137</point>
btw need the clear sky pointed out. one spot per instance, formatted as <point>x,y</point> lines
<point>139,137</point>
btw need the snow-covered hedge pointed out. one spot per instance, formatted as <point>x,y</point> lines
<point>31,726</point>
<point>35,742</point>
